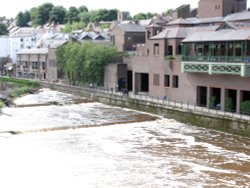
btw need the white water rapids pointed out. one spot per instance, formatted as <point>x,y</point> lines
<point>151,154</point>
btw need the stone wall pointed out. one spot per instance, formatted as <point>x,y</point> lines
<point>189,116</point>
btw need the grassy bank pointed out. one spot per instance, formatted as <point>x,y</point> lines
<point>28,83</point>
<point>1,104</point>
<point>24,86</point>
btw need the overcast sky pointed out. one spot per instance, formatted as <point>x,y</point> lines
<point>10,8</point>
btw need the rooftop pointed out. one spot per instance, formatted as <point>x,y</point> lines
<point>221,35</point>
<point>34,51</point>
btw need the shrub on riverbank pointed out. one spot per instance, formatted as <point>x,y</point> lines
<point>29,83</point>
<point>21,91</point>
<point>1,104</point>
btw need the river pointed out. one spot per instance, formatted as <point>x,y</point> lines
<point>92,145</point>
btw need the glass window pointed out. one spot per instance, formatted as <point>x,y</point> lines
<point>167,81</point>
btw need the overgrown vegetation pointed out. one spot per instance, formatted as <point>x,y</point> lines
<point>228,104</point>
<point>25,86</point>
<point>1,104</point>
<point>21,91</point>
<point>212,102</point>
<point>245,107</point>
<point>84,63</point>
<point>20,82</point>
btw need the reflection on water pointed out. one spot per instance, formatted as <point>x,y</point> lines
<point>160,153</point>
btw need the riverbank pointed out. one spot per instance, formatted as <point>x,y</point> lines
<point>12,88</point>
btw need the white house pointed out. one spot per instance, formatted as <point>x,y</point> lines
<point>4,47</point>
<point>20,41</point>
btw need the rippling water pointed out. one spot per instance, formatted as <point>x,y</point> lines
<point>151,154</point>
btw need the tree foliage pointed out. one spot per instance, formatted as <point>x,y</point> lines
<point>23,18</point>
<point>140,16</point>
<point>103,15</point>
<point>82,9</point>
<point>85,62</point>
<point>169,12</point>
<point>85,17</point>
<point>3,29</point>
<point>245,107</point>
<point>72,15</point>
<point>43,13</point>
<point>72,27</point>
<point>57,15</point>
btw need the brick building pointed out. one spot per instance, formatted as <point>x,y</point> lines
<point>220,8</point>
<point>196,61</point>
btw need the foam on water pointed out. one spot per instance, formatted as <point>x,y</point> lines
<point>161,153</point>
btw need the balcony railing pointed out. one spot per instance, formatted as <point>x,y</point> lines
<point>225,59</point>
<point>241,69</point>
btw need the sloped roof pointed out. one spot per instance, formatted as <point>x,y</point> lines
<point>221,35</point>
<point>181,32</point>
<point>57,43</point>
<point>195,21</point>
<point>34,51</point>
<point>94,36</point>
<point>132,27</point>
<point>238,16</point>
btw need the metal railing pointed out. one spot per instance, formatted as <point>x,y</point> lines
<point>165,103</point>
<point>234,59</point>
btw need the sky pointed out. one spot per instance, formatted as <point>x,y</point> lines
<point>10,8</point>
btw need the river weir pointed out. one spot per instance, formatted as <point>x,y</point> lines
<point>52,139</point>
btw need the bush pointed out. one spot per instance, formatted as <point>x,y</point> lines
<point>1,104</point>
<point>228,104</point>
<point>245,107</point>
<point>20,82</point>
<point>212,102</point>
<point>20,91</point>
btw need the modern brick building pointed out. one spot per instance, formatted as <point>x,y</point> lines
<point>204,62</point>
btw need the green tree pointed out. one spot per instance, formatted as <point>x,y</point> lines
<point>140,16</point>
<point>58,14</point>
<point>61,61</point>
<point>82,9</point>
<point>72,15</point>
<point>96,59</point>
<point>43,13</point>
<point>3,29</point>
<point>150,15</point>
<point>85,17</point>
<point>245,107</point>
<point>22,19</point>
<point>228,104</point>
<point>103,15</point>
<point>68,28</point>
<point>85,62</point>
<point>33,15</point>
<point>169,12</point>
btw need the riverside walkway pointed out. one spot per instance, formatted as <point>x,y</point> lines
<point>164,103</point>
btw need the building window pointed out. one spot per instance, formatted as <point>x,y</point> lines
<point>167,81</point>
<point>43,65</point>
<point>156,81</point>
<point>156,49</point>
<point>170,50</point>
<point>175,81</point>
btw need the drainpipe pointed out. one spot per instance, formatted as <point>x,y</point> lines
<point>222,99</point>
<point>238,100</point>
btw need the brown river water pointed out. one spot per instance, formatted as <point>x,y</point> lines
<point>68,145</point>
